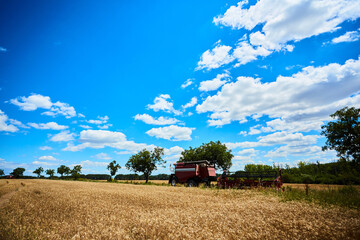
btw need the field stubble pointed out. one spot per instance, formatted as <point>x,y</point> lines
<point>45,209</point>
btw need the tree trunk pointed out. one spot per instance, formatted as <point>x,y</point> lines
<point>146,178</point>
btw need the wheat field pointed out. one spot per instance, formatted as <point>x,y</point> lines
<point>49,209</point>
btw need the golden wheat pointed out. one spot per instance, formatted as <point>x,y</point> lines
<point>45,209</point>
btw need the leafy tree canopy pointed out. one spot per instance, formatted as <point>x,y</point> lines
<point>1,172</point>
<point>38,171</point>
<point>113,167</point>
<point>343,134</point>
<point>50,172</point>
<point>145,161</point>
<point>215,152</point>
<point>18,172</point>
<point>75,172</point>
<point>63,170</point>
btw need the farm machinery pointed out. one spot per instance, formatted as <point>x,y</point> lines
<point>195,172</point>
<point>242,179</point>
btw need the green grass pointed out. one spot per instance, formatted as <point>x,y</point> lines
<point>347,196</point>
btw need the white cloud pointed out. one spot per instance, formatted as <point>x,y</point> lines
<point>173,133</point>
<point>18,123</point>
<point>101,138</point>
<point>81,115</point>
<point>215,58</point>
<point>49,125</point>
<point>103,156</point>
<point>287,150</point>
<point>283,22</point>
<point>307,97</point>
<point>42,163</point>
<point>173,153</point>
<point>247,152</point>
<point>2,49</point>
<point>100,120</point>
<point>64,136</point>
<point>51,158</point>
<point>36,101</point>
<point>277,138</point>
<point>211,85</point>
<point>44,148</point>
<point>146,118</point>
<point>187,83</point>
<point>351,36</point>
<point>162,102</point>
<point>4,125</point>
<point>192,103</point>
<point>93,164</point>
<point>85,126</point>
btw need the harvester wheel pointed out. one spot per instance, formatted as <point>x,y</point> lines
<point>173,181</point>
<point>192,183</point>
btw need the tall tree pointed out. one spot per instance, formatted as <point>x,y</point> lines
<point>145,161</point>
<point>63,170</point>
<point>50,172</point>
<point>343,134</point>
<point>75,172</point>
<point>113,167</point>
<point>38,171</point>
<point>214,152</point>
<point>17,172</point>
<point>1,172</point>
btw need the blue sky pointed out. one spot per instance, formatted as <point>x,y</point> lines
<point>88,82</point>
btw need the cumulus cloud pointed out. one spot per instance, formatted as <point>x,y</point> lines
<point>282,23</point>
<point>5,126</point>
<point>102,138</point>
<point>215,58</point>
<point>103,156</point>
<point>162,102</point>
<point>351,36</point>
<point>49,125</point>
<point>51,158</point>
<point>187,83</point>
<point>64,136</point>
<point>173,133</point>
<point>43,163</point>
<point>277,138</point>
<point>146,118</point>
<point>192,103</point>
<point>36,101</point>
<point>211,85</point>
<point>307,97</point>
<point>93,164</point>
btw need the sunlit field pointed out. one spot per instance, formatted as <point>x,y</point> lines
<point>49,209</point>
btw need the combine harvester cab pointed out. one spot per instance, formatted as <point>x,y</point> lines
<point>193,173</point>
<point>242,179</point>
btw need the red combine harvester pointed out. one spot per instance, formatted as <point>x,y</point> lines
<point>193,173</point>
<point>243,179</point>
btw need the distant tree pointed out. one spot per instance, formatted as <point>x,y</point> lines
<point>38,171</point>
<point>214,152</point>
<point>75,172</point>
<point>2,172</point>
<point>63,170</point>
<point>113,167</point>
<point>50,172</point>
<point>343,134</point>
<point>145,161</point>
<point>17,172</point>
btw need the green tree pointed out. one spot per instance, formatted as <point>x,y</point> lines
<point>17,172</point>
<point>215,152</point>
<point>343,134</point>
<point>63,170</point>
<point>113,167</point>
<point>38,171</point>
<point>50,172</point>
<point>145,161</point>
<point>2,172</point>
<point>75,172</point>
